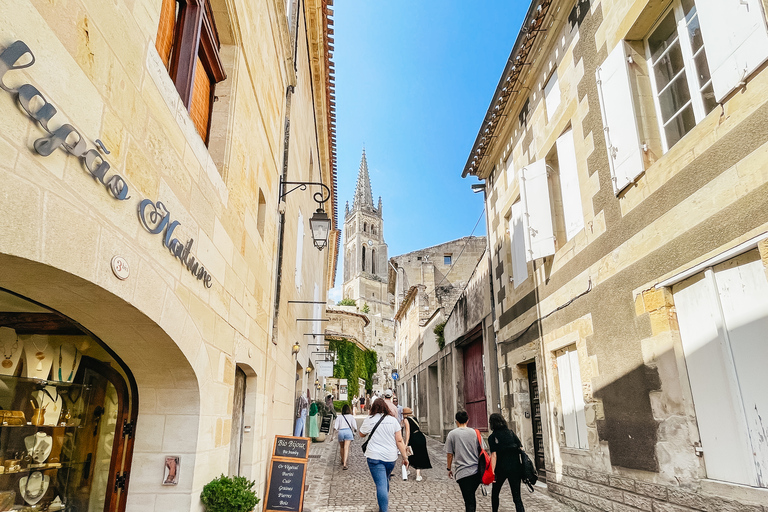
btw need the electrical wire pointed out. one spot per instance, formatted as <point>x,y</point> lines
<point>562,306</point>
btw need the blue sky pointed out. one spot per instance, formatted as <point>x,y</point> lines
<point>413,82</point>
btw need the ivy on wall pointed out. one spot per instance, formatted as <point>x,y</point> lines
<point>353,364</point>
<point>439,330</point>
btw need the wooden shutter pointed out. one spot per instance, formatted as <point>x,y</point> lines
<point>573,214</point>
<point>714,384</point>
<point>735,39</point>
<point>517,238</point>
<point>200,109</point>
<point>622,137</point>
<point>166,31</point>
<point>534,192</point>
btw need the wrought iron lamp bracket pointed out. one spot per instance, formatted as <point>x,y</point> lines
<point>320,197</point>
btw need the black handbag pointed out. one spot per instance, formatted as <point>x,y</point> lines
<point>530,476</point>
<point>365,444</point>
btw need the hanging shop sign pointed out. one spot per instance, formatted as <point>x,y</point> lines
<point>153,216</point>
<point>324,368</point>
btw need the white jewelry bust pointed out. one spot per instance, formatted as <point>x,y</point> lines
<point>49,399</point>
<point>38,357</point>
<point>10,351</point>
<point>34,487</point>
<point>66,359</point>
<point>39,446</point>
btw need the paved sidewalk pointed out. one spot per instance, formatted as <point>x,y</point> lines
<point>333,490</point>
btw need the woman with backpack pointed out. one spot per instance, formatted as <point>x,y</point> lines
<point>505,448</point>
<point>384,441</point>
<point>345,427</point>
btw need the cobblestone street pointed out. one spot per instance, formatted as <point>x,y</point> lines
<point>333,490</point>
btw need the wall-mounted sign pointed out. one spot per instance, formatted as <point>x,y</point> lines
<point>120,268</point>
<point>152,215</point>
<point>324,368</point>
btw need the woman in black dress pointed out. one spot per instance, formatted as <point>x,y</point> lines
<point>505,461</point>
<point>417,442</point>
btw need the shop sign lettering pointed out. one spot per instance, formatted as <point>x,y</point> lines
<point>153,216</point>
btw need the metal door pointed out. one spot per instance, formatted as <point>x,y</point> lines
<point>538,433</point>
<point>474,385</point>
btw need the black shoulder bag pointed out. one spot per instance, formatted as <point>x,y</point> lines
<point>365,444</point>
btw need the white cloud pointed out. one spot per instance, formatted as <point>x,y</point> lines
<point>334,294</point>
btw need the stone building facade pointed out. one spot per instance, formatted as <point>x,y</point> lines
<point>425,285</point>
<point>365,273</point>
<point>623,160</point>
<point>143,240</point>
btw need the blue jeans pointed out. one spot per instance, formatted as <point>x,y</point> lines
<point>381,471</point>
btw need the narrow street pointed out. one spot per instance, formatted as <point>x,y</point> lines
<point>333,490</point>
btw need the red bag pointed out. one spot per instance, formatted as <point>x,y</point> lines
<point>484,463</point>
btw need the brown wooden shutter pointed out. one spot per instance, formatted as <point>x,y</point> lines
<point>200,110</point>
<point>166,31</point>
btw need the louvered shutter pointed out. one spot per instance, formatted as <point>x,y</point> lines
<point>200,109</point>
<point>573,215</point>
<point>534,192</point>
<point>735,40</point>
<point>517,236</point>
<point>622,136</point>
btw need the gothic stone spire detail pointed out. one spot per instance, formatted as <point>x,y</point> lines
<point>363,194</point>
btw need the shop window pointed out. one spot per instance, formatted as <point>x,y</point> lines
<point>571,398</point>
<point>188,44</point>
<point>681,80</point>
<point>63,404</point>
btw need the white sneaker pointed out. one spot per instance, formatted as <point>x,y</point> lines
<point>418,478</point>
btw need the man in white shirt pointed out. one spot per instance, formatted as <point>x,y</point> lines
<point>392,406</point>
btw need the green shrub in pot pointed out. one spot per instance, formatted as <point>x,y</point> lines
<point>229,494</point>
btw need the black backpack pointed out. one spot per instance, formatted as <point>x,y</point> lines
<point>530,476</point>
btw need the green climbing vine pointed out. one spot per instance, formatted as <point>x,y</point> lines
<point>439,330</point>
<point>352,364</point>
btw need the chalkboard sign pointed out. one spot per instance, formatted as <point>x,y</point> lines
<point>291,447</point>
<point>285,486</point>
<point>325,426</point>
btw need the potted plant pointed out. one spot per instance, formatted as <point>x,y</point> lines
<point>229,494</point>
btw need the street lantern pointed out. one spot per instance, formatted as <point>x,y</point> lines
<point>320,224</point>
<point>295,349</point>
<point>317,384</point>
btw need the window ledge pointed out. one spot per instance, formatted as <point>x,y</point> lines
<point>177,110</point>
<point>738,492</point>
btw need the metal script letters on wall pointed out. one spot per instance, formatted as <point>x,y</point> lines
<point>153,216</point>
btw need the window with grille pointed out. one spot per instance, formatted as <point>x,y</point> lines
<point>681,80</point>
<point>188,44</point>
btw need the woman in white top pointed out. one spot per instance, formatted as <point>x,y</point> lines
<point>385,441</point>
<point>345,425</point>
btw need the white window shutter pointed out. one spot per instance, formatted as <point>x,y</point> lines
<point>569,185</point>
<point>566,399</point>
<point>517,237</point>
<point>534,192</point>
<point>622,136</point>
<point>735,39</point>
<point>578,399</point>
<point>552,94</point>
<point>299,249</point>
<point>510,172</point>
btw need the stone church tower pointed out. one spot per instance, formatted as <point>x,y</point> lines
<point>366,273</point>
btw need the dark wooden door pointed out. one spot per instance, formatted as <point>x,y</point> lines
<point>238,410</point>
<point>538,433</point>
<point>474,385</point>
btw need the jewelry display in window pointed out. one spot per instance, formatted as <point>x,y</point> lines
<point>39,447</point>
<point>65,363</point>
<point>7,498</point>
<point>38,414</point>
<point>38,357</point>
<point>50,401</point>
<point>55,505</point>
<point>34,487</point>
<point>11,352</point>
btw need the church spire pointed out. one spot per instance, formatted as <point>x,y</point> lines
<point>363,194</point>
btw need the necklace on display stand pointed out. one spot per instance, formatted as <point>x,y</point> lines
<point>7,362</point>
<point>33,487</point>
<point>74,363</point>
<point>40,354</point>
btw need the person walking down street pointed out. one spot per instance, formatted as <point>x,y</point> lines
<point>463,449</point>
<point>399,409</point>
<point>345,427</point>
<point>505,461</point>
<point>354,406</point>
<point>329,404</point>
<point>314,430</point>
<point>392,407</point>
<point>362,404</point>
<point>383,444</point>
<point>416,441</point>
